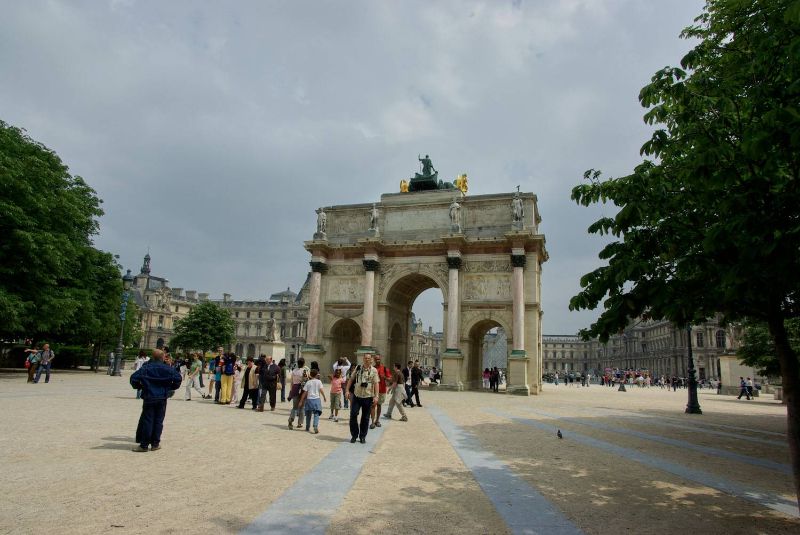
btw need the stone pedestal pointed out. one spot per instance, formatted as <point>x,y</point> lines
<point>451,371</point>
<point>517,379</point>
<point>275,349</point>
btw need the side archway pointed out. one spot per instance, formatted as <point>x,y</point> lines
<point>345,338</point>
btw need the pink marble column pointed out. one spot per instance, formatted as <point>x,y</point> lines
<point>454,263</point>
<point>518,304</point>
<point>312,337</point>
<point>371,265</point>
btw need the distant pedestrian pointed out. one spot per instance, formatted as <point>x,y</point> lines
<point>743,389</point>
<point>282,379</point>
<point>269,375</point>
<point>495,379</point>
<point>416,379</point>
<point>749,383</point>
<point>407,384</point>
<point>362,389</point>
<point>336,394</point>
<point>46,357</point>
<point>249,384</point>
<point>228,363</point>
<point>383,375</point>
<point>310,401</point>
<point>32,362</point>
<point>299,377</point>
<point>237,381</point>
<point>157,382</point>
<point>189,374</point>
<point>486,375</point>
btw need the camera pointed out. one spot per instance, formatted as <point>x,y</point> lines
<point>364,384</point>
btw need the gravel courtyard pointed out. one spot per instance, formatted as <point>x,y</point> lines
<point>467,462</point>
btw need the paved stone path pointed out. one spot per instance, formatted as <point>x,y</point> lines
<point>465,463</point>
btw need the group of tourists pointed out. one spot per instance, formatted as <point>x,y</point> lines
<point>38,361</point>
<point>362,388</point>
<point>492,378</point>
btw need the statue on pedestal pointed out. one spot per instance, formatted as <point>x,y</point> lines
<point>322,224</point>
<point>455,213</point>
<point>373,218</point>
<point>517,209</point>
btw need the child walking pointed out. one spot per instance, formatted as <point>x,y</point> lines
<point>336,394</point>
<point>310,400</point>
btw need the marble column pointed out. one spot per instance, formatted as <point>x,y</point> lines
<point>371,265</point>
<point>518,360</point>
<point>317,269</point>
<point>454,263</point>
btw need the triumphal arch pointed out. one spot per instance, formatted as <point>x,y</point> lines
<point>370,262</point>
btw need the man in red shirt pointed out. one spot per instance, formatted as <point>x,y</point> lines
<point>384,373</point>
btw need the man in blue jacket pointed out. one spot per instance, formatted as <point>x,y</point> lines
<point>157,381</point>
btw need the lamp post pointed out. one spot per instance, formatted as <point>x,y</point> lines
<point>127,279</point>
<point>693,406</point>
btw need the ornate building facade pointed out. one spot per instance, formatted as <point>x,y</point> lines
<point>426,345</point>
<point>161,305</point>
<point>656,346</point>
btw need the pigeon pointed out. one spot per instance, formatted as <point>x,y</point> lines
<point>558,434</point>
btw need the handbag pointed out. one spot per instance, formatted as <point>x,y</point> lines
<point>27,363</point>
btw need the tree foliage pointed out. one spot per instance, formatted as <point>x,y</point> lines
<point>709,222</point>
<point>758,349</point>
<point>48,266</point>
<point>206,327</point>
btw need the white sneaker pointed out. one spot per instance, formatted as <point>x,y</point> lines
<point>336,419</point>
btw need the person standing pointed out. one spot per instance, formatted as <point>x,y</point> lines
<point>496,379</point>
<point>749,383</point>
<point>157,381</point>
<point>228,362</point>
<point>416,379</point>
<point>407,384</point>
<point>397,395</point>
<point>299,378</point>
<point>46,357</point>
<point>237,381</point>
<point>191,372</point>
<point>250,383</point>
<point>486,375</point>
<point>383,375</point>
<point>362,388</point>
<point>268,378</point>
<point>310,402</point>
<point>282,379</point>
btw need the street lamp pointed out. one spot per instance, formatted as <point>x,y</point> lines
<point>693,406</point>
<point>127,279</point>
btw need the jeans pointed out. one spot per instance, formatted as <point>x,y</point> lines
<point>415,393</point>
<point>296,411</point>
<point>359,429</point>
<point>46,367</point>
<point>308,419</point>
<point>283,392</point>
<point>251,393</point>
<point>151,422</point>
<point>217,387</point>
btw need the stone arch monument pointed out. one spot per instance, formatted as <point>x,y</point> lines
<point>370,262</point>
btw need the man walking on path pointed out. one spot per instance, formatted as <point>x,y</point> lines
<point>398,394</point>
<point>743,389</point>
<point>46,357</point>
<point>157,381</point>
<point>407,384</point>
<point>416,378</point>
<point>362,389</point>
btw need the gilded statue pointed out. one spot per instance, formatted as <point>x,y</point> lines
<point>404,186</point>
<point>461,183</point>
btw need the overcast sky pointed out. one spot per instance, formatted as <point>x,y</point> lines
<point>212,130</point>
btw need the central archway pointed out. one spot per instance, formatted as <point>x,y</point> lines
<point>395,310</point>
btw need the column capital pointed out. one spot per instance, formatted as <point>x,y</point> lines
<point>454,262</point>
<point>371,265</point>
<point>518,260</point>
<point>318,267</point>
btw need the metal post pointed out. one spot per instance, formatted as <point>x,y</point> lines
<point>693,406</point>
<point>127,279</point>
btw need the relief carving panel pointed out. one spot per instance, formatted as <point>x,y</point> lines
<point>487,288</point>
<point>346,289</point>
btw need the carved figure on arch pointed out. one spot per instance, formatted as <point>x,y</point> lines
<point>517,208</point>
<point>322,221</point>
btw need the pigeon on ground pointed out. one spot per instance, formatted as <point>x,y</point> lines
<point>558,434</point>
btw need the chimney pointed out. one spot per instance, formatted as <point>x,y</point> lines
<point>203,297</point>
<point>177,292</point>
<point>191,295</point>
<point>226,298</point>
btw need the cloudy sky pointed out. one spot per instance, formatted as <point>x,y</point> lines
<point>212,130</point>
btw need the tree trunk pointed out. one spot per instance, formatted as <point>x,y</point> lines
<point>790,373</point>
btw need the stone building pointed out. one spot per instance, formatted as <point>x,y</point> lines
<point>655,345</point>
<point>425,346</point>
<point>160,306</point>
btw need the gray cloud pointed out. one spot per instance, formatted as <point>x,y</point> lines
<point>212,131</point>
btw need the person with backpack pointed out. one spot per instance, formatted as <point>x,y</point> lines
<point>362,389</point>
<point>46,357</point>
<point>228,363</point>
<point>269,375</point>
<point>32,362</point>
<point>299,377</point>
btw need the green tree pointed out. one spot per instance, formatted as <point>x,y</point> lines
<point>709,222</point>
<point>206,327</point>
<point>47,219</point>
<point>758,349</point>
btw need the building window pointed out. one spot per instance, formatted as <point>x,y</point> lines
<point>721,339</point>
<point>259,315</point>
<point>176,308</point>
<point>258,328</point>
<point>699,339</point>
<point>248,315</point>
<point>271,314</point>
<point>295,313</point>
<point>247,330</point>
<point>236,314</point>
<point>161,322</point>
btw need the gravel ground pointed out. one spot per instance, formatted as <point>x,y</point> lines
<point>67,465</point>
